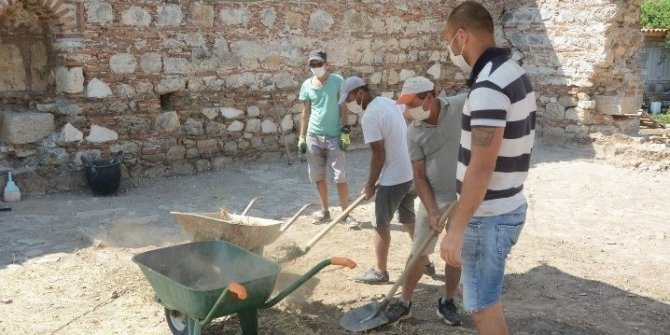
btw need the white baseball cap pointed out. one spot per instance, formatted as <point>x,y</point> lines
<point>412,86</point>
<point>349,85</point>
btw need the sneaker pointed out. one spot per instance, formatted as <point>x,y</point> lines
<point>372,276</point>
<point>397,311</point>
<point>429,269</point>
<point>352,224</point>
<point>321,216</point>
<point>447,311</point>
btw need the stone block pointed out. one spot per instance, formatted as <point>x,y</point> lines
<point>99,12</point>
<point>182,168</point>
<point>231,113</point>
<point>69,79</point>
<point>253,111</point>
<point>123,63</point>
<point>230,147</point>
<point>65,107</point>
<point>321,20</point>
<point>243,144</point>
<point>617,105</point>
<point>393,77</point>
<point>168,122</point>
<point>555,111</point>
<point>202,165</point>
<point>193,127</point>
<point>553,136</point>
<point>69,134</point>
<point>191,153</point>
<point>170,84</point>
<point>176,152</point>
<point>26,127</point>
<point>123,90</point>
<point>136,16</point>
<point>628,125</point>
<point>52,156</point>
<point>207,146</point>
<point>268,127</point>
<point>101,135</point>
<point>202,15</point>
<point>169,15</point>
<point>219,163</point>
<point>97,88</point>
<point>287,123</point>
<point>176,66</point>
<point>211,112</point>
<point>151,62</point>
<point>215,129</point>
<point>294,20</point>
<point>236,126</point>
<point>586,104</point>
<point>235,16</point>
<point>435,71</point>
<point>406,74</point>
<point>268,17</point>
<point>129,148</point>
<point>375,78</point>
<point>252,126</point>
<point>568,101</point>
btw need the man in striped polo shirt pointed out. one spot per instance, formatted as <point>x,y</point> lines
<point>498,130</point>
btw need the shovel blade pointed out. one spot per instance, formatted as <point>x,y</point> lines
<point>363,318</point>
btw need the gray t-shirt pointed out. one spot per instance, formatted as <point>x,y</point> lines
<point>438,146</point>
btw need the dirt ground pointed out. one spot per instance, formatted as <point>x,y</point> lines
<point>593,257</point>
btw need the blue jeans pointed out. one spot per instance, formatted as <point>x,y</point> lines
<point>487,242</point>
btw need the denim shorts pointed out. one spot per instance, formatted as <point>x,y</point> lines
<point>488,240</point>
<point>324,152</point>
<point>394,198</point>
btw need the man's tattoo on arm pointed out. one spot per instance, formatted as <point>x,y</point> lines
<point>482,136</point>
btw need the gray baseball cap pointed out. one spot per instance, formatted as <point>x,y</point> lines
<point>349,85</point>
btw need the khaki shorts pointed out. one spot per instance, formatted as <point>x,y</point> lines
<point>324,152</point>
<point>422,228</point>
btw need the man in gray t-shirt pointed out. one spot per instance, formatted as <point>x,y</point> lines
<point>433,140</point>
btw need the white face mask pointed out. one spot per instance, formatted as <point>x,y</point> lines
<point>354,107</point>
<point>459,60</point>
<point>318,71</point>
<point>418,114</point>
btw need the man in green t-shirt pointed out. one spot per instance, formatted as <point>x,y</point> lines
<point>324,133</point>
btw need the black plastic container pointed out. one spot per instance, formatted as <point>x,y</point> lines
<point>103,174</point>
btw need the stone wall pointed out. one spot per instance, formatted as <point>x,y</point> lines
<point>189,86</point>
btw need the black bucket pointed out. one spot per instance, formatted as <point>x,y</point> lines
<point>103,174</point>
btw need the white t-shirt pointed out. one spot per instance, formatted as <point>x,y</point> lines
<point>383,120</point>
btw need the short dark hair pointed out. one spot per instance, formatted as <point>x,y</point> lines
<point>471,16</point>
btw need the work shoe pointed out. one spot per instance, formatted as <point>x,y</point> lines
<point>351,223</point>
<point>372,276</point>
<point>447,310</point>
<point>429,269</point>
<point>397,311</point>
<point>321,216</point>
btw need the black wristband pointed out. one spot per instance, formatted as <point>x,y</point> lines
<point>346,129</point>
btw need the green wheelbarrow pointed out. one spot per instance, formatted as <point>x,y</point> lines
<point>199,281</point>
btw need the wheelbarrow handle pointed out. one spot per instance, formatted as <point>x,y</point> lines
<point>251,203</point>
<point>294,218</point>
<point>307,276</point>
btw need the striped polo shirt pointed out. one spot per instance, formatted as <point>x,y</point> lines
<point>501,96</point>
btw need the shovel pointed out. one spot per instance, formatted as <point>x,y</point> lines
<point>371,316</point>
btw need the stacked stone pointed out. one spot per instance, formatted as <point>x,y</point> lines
<point>187,87</point>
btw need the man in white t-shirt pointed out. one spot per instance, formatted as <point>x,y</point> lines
<point>384,129</point>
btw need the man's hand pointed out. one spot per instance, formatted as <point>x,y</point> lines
<point>435,224</point>
<point>302,145</point>
<point>368,191</point>
<point>345,141</point>
<point>451,247</point>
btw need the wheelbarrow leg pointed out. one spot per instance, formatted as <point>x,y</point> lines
<point>248,321</point>
<point>194,327</point>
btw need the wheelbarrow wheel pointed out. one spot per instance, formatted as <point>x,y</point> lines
<point>177,321</point>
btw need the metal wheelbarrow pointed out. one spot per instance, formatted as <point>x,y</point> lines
<point>248,232</point>
<point>199,281</point>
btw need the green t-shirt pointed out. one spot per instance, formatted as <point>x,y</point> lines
<point>324,116</point>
